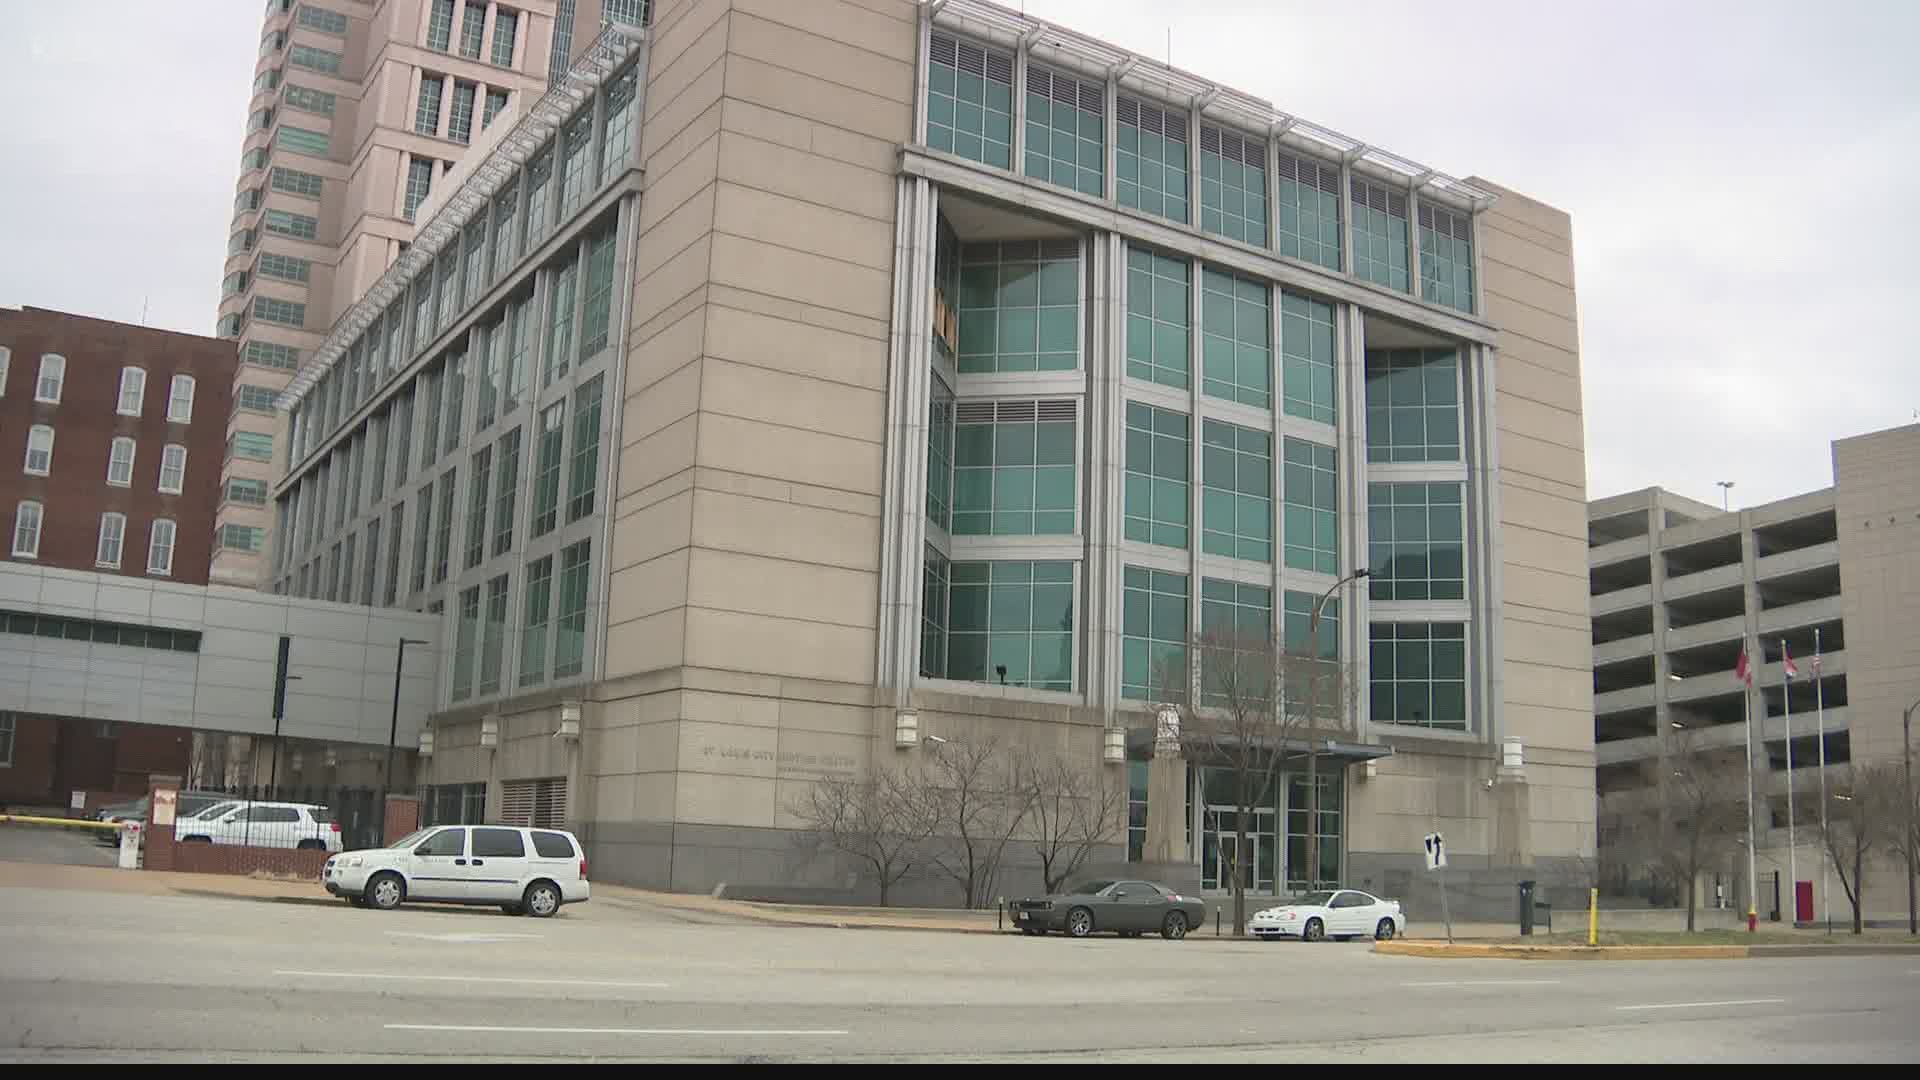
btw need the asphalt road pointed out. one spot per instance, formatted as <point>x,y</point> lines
<point>96,975</point>
<point>48,844</point>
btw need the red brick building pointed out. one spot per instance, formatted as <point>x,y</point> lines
<point>111,440</point>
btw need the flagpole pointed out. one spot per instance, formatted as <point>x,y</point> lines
<point>1786,699</point>
<point>1753,872</point>
<point>1820,709</point>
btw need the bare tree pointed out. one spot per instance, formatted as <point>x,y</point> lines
<point>883,823</point>
<point>1865,813</point>
<point>978,801</point>
<point>1070,812</point>
<point>1258,702</point>
<point>1693,815</point>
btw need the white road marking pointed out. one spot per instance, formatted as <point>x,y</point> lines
<point>613,1031</point>
<point>1489,982</point>
<point>469,979</point>
<point>1701,1004</point>
<point>462,939</point>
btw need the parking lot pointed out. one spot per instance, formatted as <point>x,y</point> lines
<point>61,847</point>
<point>86,973</point>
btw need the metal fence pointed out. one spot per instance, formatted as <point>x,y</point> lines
<point>287,816</point>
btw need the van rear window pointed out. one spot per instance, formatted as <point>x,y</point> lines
<point>553,845</point>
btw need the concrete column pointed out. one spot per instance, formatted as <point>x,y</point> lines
<point>486,32</point>
<point>1413,244</point>
<point>1166,842</point>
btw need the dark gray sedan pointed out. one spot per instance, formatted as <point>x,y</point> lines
<point>1127,908</point>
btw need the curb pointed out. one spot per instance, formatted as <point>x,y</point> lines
<point>1441,949</point>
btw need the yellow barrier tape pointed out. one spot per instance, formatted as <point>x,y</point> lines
<point>71,823</point>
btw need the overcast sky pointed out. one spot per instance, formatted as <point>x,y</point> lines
<point>1740,175</point>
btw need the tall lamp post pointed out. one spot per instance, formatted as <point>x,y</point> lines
<point>393,729</point>
<point>1313,716</point>
<point>1906,812</point>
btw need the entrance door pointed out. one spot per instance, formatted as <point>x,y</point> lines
<point>1222,859</point>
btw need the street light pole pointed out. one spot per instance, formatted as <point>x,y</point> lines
<point>1906,812</point>
<point>1313,713</point>
<point>393,730</point>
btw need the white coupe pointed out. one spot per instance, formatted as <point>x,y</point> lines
<point>1339,914</point>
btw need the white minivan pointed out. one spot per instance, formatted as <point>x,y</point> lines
<point>520,870</point>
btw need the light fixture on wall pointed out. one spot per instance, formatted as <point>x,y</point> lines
<point>426,742</point>
<point>490,731</point>
<point>333,759</point>
<point>906,729</point>
<point>1369,769</point>
<point>1115,748</point>
<point>569,726</point>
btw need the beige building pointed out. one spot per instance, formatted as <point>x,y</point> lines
<point>799,381</point>
<point>1681,587</point>
<point>359,108</point>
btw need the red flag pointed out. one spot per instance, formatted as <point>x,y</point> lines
<point>1786,662</point>
<point>1741,671</point>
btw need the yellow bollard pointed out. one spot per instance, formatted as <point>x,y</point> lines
<point>1593,916</point>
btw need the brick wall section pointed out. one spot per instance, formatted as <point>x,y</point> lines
<point>28,781</point>
<point>403,816</point>
<point>234,859</point>
<point>74,494</point>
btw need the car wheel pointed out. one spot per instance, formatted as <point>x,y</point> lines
<point>385,891</point>
<point>542,899</point>
<point>1383,932</point>
<point>1079,922</point>
<point>1315,930</point>
<point>1175,926</point>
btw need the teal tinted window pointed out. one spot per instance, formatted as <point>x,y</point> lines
<point>1233,186</point>
<point>1014,465</point>
<point>1236,500</point>
<point>570,629</point>
<point>970,101</point>
<point>1380,235</point>
<point>298,226</point>
<point>940,461</point>
<point>1306,358</point>
<point>1159,317</point>
<point>284,267</point>
<point>596,320</point>
<point>315,101</point>
<point>1418,673</point>
<point>283,312</point>
<point>1150,159</point>
<point>426,112</point>
<point>1011,624</point>
<point>465,641</point>
<point>1413,405</point>
<point>584,471</point>
<point>1415,536</point>
<point>1236,621</point>
<point>1299,630</point>
<point>1159,464</point>
<point>1236,338</point>
<point>301,141</point>
<point>1066,131</point>
<point>935,583</point>
<point>295,182</point>
<point>1446,257</point>
<point>1311,492</point>
<point>1153,644</point>
<point>320,60</point>
<point>1235,610</point>
<point>546,475</point>
<point>1020,306</point>
<point>1307,224</point>
<point>536,611</point>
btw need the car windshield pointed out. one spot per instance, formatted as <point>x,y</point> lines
<point>1314,899</point>
<point>1088,888</point>
<point>411,838</point>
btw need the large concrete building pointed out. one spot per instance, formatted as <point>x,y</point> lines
<point>795,380</point>
<point>1681,587</point>
<point>358,109</point>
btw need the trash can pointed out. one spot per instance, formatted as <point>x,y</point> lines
<point>1526,908</point>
